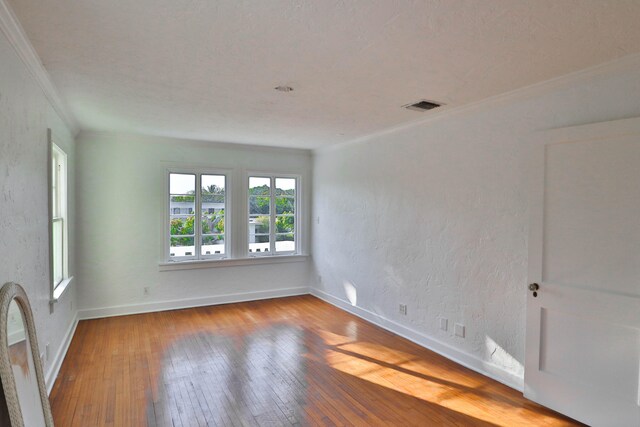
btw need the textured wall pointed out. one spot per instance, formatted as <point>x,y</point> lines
<point>25,115</point>
<point>121,201</point>
<point>435,215</point>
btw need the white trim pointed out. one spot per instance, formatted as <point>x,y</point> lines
<point>52,374</point>
<point>461,357</point>
<point>188,169</point>
<point>298,215</point>
<point>230,262</point>
<point>123,310</point>
<point>536,89</point>
<point>16,35</point>
<point>62,202</point>
<point>61,288</point>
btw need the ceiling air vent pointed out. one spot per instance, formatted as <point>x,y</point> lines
<point>422,106</point>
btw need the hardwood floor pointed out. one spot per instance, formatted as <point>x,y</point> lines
<point>287,361</point>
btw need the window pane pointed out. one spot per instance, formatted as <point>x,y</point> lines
<point>213,192</point>
<point>259,224</point>
<point>57,251</point>
<point>285,242</point>
<point>189,198</point>
<point>285,187</point>
<point>212,245</point>
<point>285,224</point>
<point>55,197</point>
<point>213,224</point>
<point>180,183</point>
<point>182,246</point>
<point>213,184</point>
<point>259,205</point>
<point>181,226</point>
<point>259,243</point>
<point>285,205</point>
<point>259,186</point>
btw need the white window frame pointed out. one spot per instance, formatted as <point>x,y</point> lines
<point>272,214</point>
<point>58,198</point>
<point>197,223</point>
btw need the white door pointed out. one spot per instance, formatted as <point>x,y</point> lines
<point>583,325</point>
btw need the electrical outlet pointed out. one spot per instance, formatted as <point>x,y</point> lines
<point>318,220</point>
<point>459,330</point>
<point>403,309</point>
<point>444,324</point>
<point>146,290</point>
<point>46,352</point>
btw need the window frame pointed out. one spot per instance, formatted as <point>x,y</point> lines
<point>58,205</point>
<point>197,223</point>
<point>273,214</point>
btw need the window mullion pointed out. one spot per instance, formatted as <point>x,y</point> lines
<point>197,221</point>
<point>272,217</point>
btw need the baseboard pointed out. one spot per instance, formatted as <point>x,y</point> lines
<point>52,374</point>
<point>123,310</point>
<point>463,358</point>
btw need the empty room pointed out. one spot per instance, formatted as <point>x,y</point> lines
<point>319,213</point>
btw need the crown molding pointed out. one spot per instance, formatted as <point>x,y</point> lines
<point>16,35</point>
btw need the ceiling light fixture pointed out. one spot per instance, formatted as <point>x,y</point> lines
<point>284,88</point>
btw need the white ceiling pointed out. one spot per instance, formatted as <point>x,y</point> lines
<point>206,69</point>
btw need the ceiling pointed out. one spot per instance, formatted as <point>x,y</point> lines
<point>206,69</point>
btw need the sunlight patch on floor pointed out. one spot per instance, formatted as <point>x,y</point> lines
<point>408,374</point>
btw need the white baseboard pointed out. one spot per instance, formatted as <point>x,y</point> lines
<point>122,310</point>
<point>52,374</point>
<point>463,358</point>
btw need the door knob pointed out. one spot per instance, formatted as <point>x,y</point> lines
<point>534,288</point>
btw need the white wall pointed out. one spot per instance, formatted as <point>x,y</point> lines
<point>25,115</point>
<point>435,215</point>
<point>121,202</point>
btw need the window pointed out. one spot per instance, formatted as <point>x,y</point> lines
<point>59,222</point>
<point>190,239</point>
<point>273,215</point>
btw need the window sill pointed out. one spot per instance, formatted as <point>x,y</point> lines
<point>60,289</point>
<point>230,262</point>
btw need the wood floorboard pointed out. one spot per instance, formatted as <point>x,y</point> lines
<point>294,361</point>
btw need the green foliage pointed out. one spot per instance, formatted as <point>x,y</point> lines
<point>182,227</point>
<point>183,199</point>
<point>285,205</point>
<point>262,190</point>
<point>210,224</point>
<point>284,224</point>
<point>259,205</point>
<point>213,193</point>
<point>213,189</point>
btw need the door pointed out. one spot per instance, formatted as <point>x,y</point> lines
<point>583,308</point>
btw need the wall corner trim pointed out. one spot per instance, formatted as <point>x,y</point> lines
<point>16,35</point>
<point>463,358</point>
<point>52,374</point>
